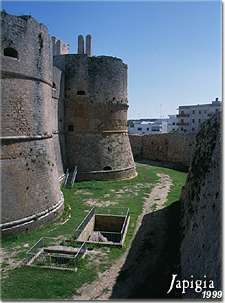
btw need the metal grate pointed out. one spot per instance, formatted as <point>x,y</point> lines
<point>46,254</point>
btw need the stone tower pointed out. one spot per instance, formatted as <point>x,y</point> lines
<point>95,101</point>
<point>30,172</point>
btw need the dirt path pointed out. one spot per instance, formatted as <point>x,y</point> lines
<point>101,288</point>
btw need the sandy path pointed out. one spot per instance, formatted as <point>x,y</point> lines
<point>101,288</point>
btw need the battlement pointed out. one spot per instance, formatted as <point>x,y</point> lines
<point>59,47</point>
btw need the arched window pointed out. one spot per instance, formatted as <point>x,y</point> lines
<point>11,52</point>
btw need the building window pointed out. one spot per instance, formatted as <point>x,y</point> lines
<point>185,130</point>
<point>81,92</point>
<point>205,111</point>
<point>182,120</point>
<point>70,128</point>
<point>173,123</point>
<point>182,112</point>
<point>193,120</point>
<point>193,112</point>
<point>199,112</point>
<point>182,128</point>
<point>199,120</point>
<point>147,128</point>
<point>11,52</point>
<point>193,129</point>
<point>139,128</point>
<point>217,110</point>
<point>53,85</point>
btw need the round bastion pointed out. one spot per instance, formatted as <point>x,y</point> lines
<point>30,189</point>
<point>96,105</point>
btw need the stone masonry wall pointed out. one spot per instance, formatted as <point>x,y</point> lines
<point>29,183</point>
<point>96,136</point>
<point>202,209</point>
<point>174,149</point>
<point>30,187</point>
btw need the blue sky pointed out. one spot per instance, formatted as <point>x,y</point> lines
<point>173,49</point>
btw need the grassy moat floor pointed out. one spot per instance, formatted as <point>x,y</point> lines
<point>23,282</point>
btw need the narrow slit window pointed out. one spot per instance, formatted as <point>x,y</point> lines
<point>70,128</point>
<point>81,92</point>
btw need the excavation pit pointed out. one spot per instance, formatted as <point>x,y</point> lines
<point>104,226</point>
<point>53,253</point>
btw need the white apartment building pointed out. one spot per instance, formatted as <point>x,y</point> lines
<point>140,127</point>
<point>190,117</point>
<point>172,123</point>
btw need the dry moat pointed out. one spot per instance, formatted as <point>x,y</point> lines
<point>150,194</point>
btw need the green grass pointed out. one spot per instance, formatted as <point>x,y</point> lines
<point>36,283</point>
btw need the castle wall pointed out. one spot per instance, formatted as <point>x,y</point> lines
<point>96,116</point>
<point>59,47</point>
<point>201,201</point>
<point>172,149</point>
<point>31,193</point>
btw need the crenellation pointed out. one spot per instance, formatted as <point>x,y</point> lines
<point>59,47</point>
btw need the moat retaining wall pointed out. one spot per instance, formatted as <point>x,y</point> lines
<point>201,201</point>
<point>172,150</point>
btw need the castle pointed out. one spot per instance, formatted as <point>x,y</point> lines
<point>57,113</point>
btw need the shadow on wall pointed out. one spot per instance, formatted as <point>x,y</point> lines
<point>201,202</point>
<point>153,257</point>
<point>61,125</point>
<point>176,166</point>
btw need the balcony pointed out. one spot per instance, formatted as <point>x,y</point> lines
<point>183,116</point>
<point>182,124</point>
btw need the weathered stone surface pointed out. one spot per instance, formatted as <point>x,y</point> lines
<point>174,149</point>
<point>95,103</point>
<point>72,114</point>
<point>29,162</point>
<point>202,209</point>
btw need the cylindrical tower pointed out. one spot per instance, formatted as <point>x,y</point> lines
<point>96,117</point>
<point>30,190</point>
